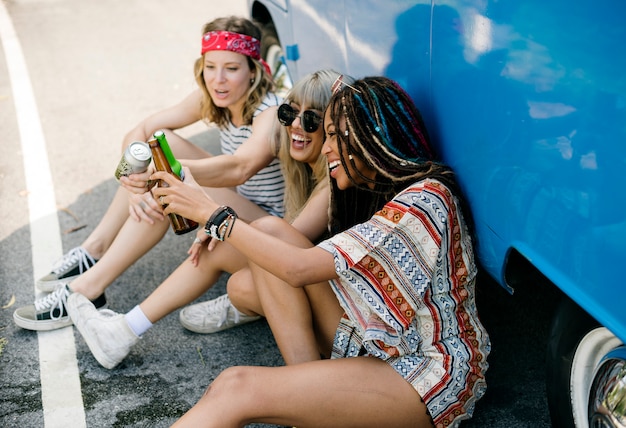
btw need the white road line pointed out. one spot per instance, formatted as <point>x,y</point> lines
<point>60,383</point>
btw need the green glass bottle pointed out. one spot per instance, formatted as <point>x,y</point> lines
<point>164,160</point>
<point>176,167</point>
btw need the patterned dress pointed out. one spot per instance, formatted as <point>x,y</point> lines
<point>406,283</point>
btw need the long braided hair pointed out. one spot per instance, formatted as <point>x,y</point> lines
<point>378,123</point>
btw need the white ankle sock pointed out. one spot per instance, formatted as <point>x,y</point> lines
<point>137,321</point>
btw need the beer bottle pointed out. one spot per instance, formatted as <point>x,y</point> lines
<point>164,160</point>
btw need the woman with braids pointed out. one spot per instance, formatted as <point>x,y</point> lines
<point>407,347</point>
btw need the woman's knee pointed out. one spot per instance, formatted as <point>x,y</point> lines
<point>241,291</point>
<point>232,381</point>
<point>280,229</point>
<point>269,224</point>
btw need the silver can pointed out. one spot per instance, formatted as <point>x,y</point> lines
<point>135,159</point>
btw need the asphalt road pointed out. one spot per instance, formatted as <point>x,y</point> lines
<point>90,71</point>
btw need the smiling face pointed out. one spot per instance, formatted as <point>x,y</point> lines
<point>227,77</point>
<point>344,178</point>
<point>305,146</point>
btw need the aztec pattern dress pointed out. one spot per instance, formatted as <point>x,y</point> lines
<point>406,284</point>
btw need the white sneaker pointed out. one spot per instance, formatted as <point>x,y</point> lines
<point>107,333</point>
<point>213,316</point>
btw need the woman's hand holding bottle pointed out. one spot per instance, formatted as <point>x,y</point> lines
<point>186,198</point>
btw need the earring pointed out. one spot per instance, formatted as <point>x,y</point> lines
<point>252,81</point>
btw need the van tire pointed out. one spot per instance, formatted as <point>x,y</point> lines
<point>575,337</point>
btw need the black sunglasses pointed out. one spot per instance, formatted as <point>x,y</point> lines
<point>309,120</point>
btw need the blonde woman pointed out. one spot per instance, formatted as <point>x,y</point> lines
<point>111,336</point>
<point>235,93</point>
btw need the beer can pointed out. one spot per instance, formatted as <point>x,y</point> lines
<point>135,159</point>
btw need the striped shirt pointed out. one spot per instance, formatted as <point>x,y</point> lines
<point>406,284</point>
<point>267,187</point>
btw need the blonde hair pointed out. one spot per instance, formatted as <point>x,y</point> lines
<point>302,181</point>
<point>261,85</point>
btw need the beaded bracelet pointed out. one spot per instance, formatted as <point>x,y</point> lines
<point>220,225</point>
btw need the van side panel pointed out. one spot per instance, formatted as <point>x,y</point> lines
<point>526,100</point>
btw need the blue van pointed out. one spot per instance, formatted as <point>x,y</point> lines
<point>527,101</point>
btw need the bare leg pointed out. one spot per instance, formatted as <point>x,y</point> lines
<point>289,310</point>
<point>100,239</point>
<point>245,297</point>
<point>133,241</point>
<point>242,293</point>
<point>189,282</point>
<point>126,249</point>
<point>327,313</point>
<point>289,315</point>
<point>353,392</point>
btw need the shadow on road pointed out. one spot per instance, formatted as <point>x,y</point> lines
<point>167,372</point>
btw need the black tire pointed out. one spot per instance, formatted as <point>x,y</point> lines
<point>574,337</point>
<point>272,53</point>
<point>270,46</point>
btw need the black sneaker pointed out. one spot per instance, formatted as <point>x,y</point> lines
<point>49,313</point>
<point>73,264</point>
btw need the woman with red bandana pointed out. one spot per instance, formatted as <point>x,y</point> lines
<point>235,92</point>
